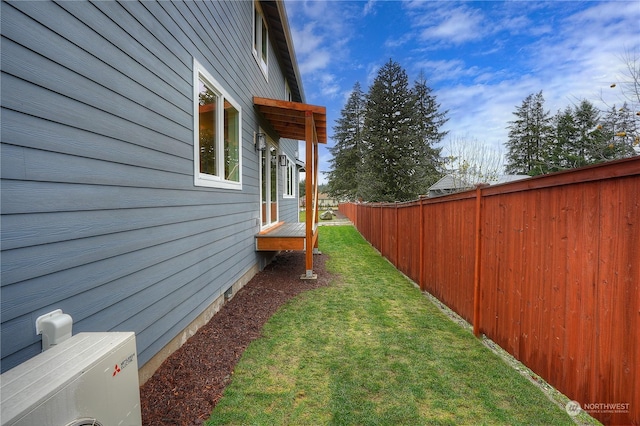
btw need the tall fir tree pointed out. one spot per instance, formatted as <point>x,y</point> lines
<point>387,126</point>
<point>530,136</point>
<point>346,153</point>
<point>578,138</point>
<point>622,135</point>
<point>429,130</point>
<point>564,153</point>
<point>590,139</point>
<point>395,165</point>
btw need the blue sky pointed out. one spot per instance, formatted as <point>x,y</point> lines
<point>481,58</point>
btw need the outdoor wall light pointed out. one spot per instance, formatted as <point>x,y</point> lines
<point>282,160</point>
<point>260,141</point>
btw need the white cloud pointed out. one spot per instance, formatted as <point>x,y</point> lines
<point>395,42</point>
<point>368,7</point>
<point>306,39</point>
<point>608,13</point>
<point>372,73</point>
<point>459,26</point>
<point>446,69</point>
<point>584,57</point>
<point>313,63</point>
<point>320,42</point>
<point>443,23</point>
<point>330,88</point>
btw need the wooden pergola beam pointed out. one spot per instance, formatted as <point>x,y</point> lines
<point>294,120</point>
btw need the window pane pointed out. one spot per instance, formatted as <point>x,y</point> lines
<point>288,179</point>
<point>291,172</point>
<point>256,28</point>
<point>207,130</point>
<point>231,143</point>
<point>264,42</point>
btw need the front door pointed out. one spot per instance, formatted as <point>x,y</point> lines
<point>269,184</point>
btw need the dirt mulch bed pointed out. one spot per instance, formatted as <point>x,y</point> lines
<point>189,383</point>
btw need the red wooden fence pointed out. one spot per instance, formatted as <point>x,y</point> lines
<point>548,268</point>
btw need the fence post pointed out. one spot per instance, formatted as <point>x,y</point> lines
<point>421,260</point>
<point>397,248</point>
<point>478,257</point>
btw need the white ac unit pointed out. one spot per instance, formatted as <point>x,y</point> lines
<point>89,379</point>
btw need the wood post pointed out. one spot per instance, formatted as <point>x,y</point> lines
<point>311,196</point>
<point>477,261</point>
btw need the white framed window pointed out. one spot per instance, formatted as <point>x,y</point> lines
<point>289,179</point>
<point>260,39</point>
<point>217,143</point>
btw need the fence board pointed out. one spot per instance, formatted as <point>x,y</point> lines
<point>558,276</point>
<point>389,233</point>
<point>408,250</point>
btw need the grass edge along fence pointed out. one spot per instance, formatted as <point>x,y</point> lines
<point>547,267</point>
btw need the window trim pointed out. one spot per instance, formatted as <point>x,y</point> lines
<point>271,157</point>
<point>204,179</point>
<point>289,185</point>
<point>260,30</point>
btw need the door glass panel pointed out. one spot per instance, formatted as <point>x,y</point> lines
<point>273,154</point>
<point>269,185</point>
<point>264,177</point>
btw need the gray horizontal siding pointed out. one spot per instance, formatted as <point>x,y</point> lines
<point>46,166</point>
<point>27,263</point>
<point>22,96</point>
<point>100,216</point>
<point>27,131</point>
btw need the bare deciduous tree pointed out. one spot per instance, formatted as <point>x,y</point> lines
<point>470,161</point>
<point>628,86</point>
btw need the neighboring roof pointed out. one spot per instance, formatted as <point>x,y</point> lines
<point>450,182</point>
<point>325,196</point>
<point>508,178</point>
<point>289,118</point>
<point>278,25</point>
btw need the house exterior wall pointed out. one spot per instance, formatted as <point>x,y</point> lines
<point>100,215</point>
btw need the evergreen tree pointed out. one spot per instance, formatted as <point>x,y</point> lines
<point>530,137</point>
<point>578,138</point>
<point>590,139</point>
<point>621,135</point>
<point>387,129</point>
<point>564,152</point>
<point>346,153</point>
<point>428,128</point>
<point>396,163</point>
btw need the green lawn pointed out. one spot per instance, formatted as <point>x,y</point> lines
<point>372,350</point>
<point>302,215</point>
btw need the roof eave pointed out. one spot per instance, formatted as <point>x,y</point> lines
<point>276,16</point>
<point>291,48</point>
